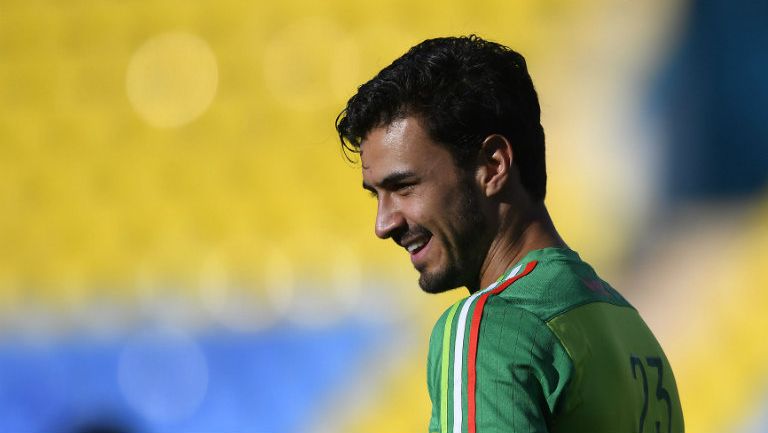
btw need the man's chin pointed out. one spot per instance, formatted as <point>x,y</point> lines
<point>432,282</point>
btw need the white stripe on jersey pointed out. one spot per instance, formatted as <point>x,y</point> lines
<point>458,358</point>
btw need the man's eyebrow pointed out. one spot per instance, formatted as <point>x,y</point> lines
<point>369,188</point>
<point>391,180</point>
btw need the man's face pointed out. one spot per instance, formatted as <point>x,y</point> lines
<point>426,204</point>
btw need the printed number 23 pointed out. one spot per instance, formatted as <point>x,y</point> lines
<point>661,393</point>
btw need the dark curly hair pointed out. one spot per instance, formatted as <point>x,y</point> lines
<point>464,89</point>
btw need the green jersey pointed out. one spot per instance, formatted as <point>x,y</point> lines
<point>550,347</point>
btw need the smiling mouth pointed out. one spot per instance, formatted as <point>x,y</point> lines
<point>418,249</point>
<point>415,247</point>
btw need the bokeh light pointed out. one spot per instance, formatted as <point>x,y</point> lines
<point>172,79</point>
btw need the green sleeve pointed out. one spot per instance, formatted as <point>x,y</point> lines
<point>522,371</point>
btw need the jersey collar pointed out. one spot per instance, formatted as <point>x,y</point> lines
<point>540,255</point>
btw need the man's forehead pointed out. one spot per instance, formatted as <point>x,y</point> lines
<point>387,135</point>
<point>383,142</point>
<point>397,126</point>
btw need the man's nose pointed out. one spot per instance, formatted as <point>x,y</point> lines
<point>388,218</point>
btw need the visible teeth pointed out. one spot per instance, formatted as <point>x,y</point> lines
<point>413,247</point>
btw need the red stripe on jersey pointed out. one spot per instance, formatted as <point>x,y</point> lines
<point>472,350</point>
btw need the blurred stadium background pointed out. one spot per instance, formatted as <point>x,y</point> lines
<point>184,249</point>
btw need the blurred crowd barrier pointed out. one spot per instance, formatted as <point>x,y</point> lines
<point>183,247</point>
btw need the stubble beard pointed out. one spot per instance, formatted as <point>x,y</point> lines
<point>464,264</point>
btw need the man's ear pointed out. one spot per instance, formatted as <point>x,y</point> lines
<point>495,164</point>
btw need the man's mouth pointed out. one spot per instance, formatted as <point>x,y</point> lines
<point>418,248</point>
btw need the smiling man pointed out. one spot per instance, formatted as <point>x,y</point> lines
<point>451,146</point>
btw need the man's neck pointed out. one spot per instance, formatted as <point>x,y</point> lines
<point>516,238</point>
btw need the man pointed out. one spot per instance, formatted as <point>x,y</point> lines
<point>452,147</point>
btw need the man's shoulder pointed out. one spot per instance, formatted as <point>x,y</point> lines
<point>558,283</point>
